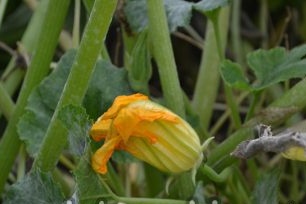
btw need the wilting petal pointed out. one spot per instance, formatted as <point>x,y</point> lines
<point>103,154</point>
<point>100,129</point>
<point>120,102</point>
<point>128,119</point>
<point>149,111</point>
<point>125,123</point>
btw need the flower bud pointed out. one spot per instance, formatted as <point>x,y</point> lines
<point>148,131</point>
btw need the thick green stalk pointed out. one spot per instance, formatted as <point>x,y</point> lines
<point>76,24</point>
<point>6,103</point>
<point>289,103</point>
<point>39,67</point>
<point>77,82</point>
<point>163,54</point>
<point>208,79</point>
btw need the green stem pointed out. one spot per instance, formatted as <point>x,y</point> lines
<point>294,100</point>
<point>114,181</point>
<point>12,75</point>
<point>10,85</point>
<point>233,106</point>
<point>294,187</point>
<point>6,103</point>
<point>129,200</point>
<point>228,91</point>
<point>77,82</point>
<point>21,163</point>
<point>3,4</point>
<point>235,34</point>
<point>154,180</point>
<point>243,196</point>
<point>225,115</point>
<point>220,46</point>
<point>59,178</point>
<point>194,34</point>
<point>263,22</point>
<point>39,67</point>
<point>163,54</point>
<point>214,176</point>
<point>208,78</point>
<point>76,24</point>
<point>7,106</point>
<point>67,163</point>
<point>219,158</point>
<point>254,102</point>
<point>30,37</point>
<point>242,182</point>
<point>12,81</point>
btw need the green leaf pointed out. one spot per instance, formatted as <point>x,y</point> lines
<point>266,189</point>
<point>276,65</point>
<point>210,8</point>
<point>42,102</point>
<point>75,119</point>
<point>178,13</point>
<point>136,14</point>
<point>89,188</point>
<point>209,5</point>
<point>232,75</point>
<point>107,82</point>
<point>269,66</point>
<point>36,187</point>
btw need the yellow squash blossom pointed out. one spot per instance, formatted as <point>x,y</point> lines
<point>148,131</point>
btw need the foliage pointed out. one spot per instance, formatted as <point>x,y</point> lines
<point>41,105</point>
<point>37,187</point>
<point>178,12</point>
<point>269,66</point>
<point>266,188</point>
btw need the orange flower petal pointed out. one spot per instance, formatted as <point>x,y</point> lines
<point>128,120</point>
<point>146,111</point>
<point>103,154</point>
<point>125,123</point>
<point>100,129</point>
<point>122,101</point>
